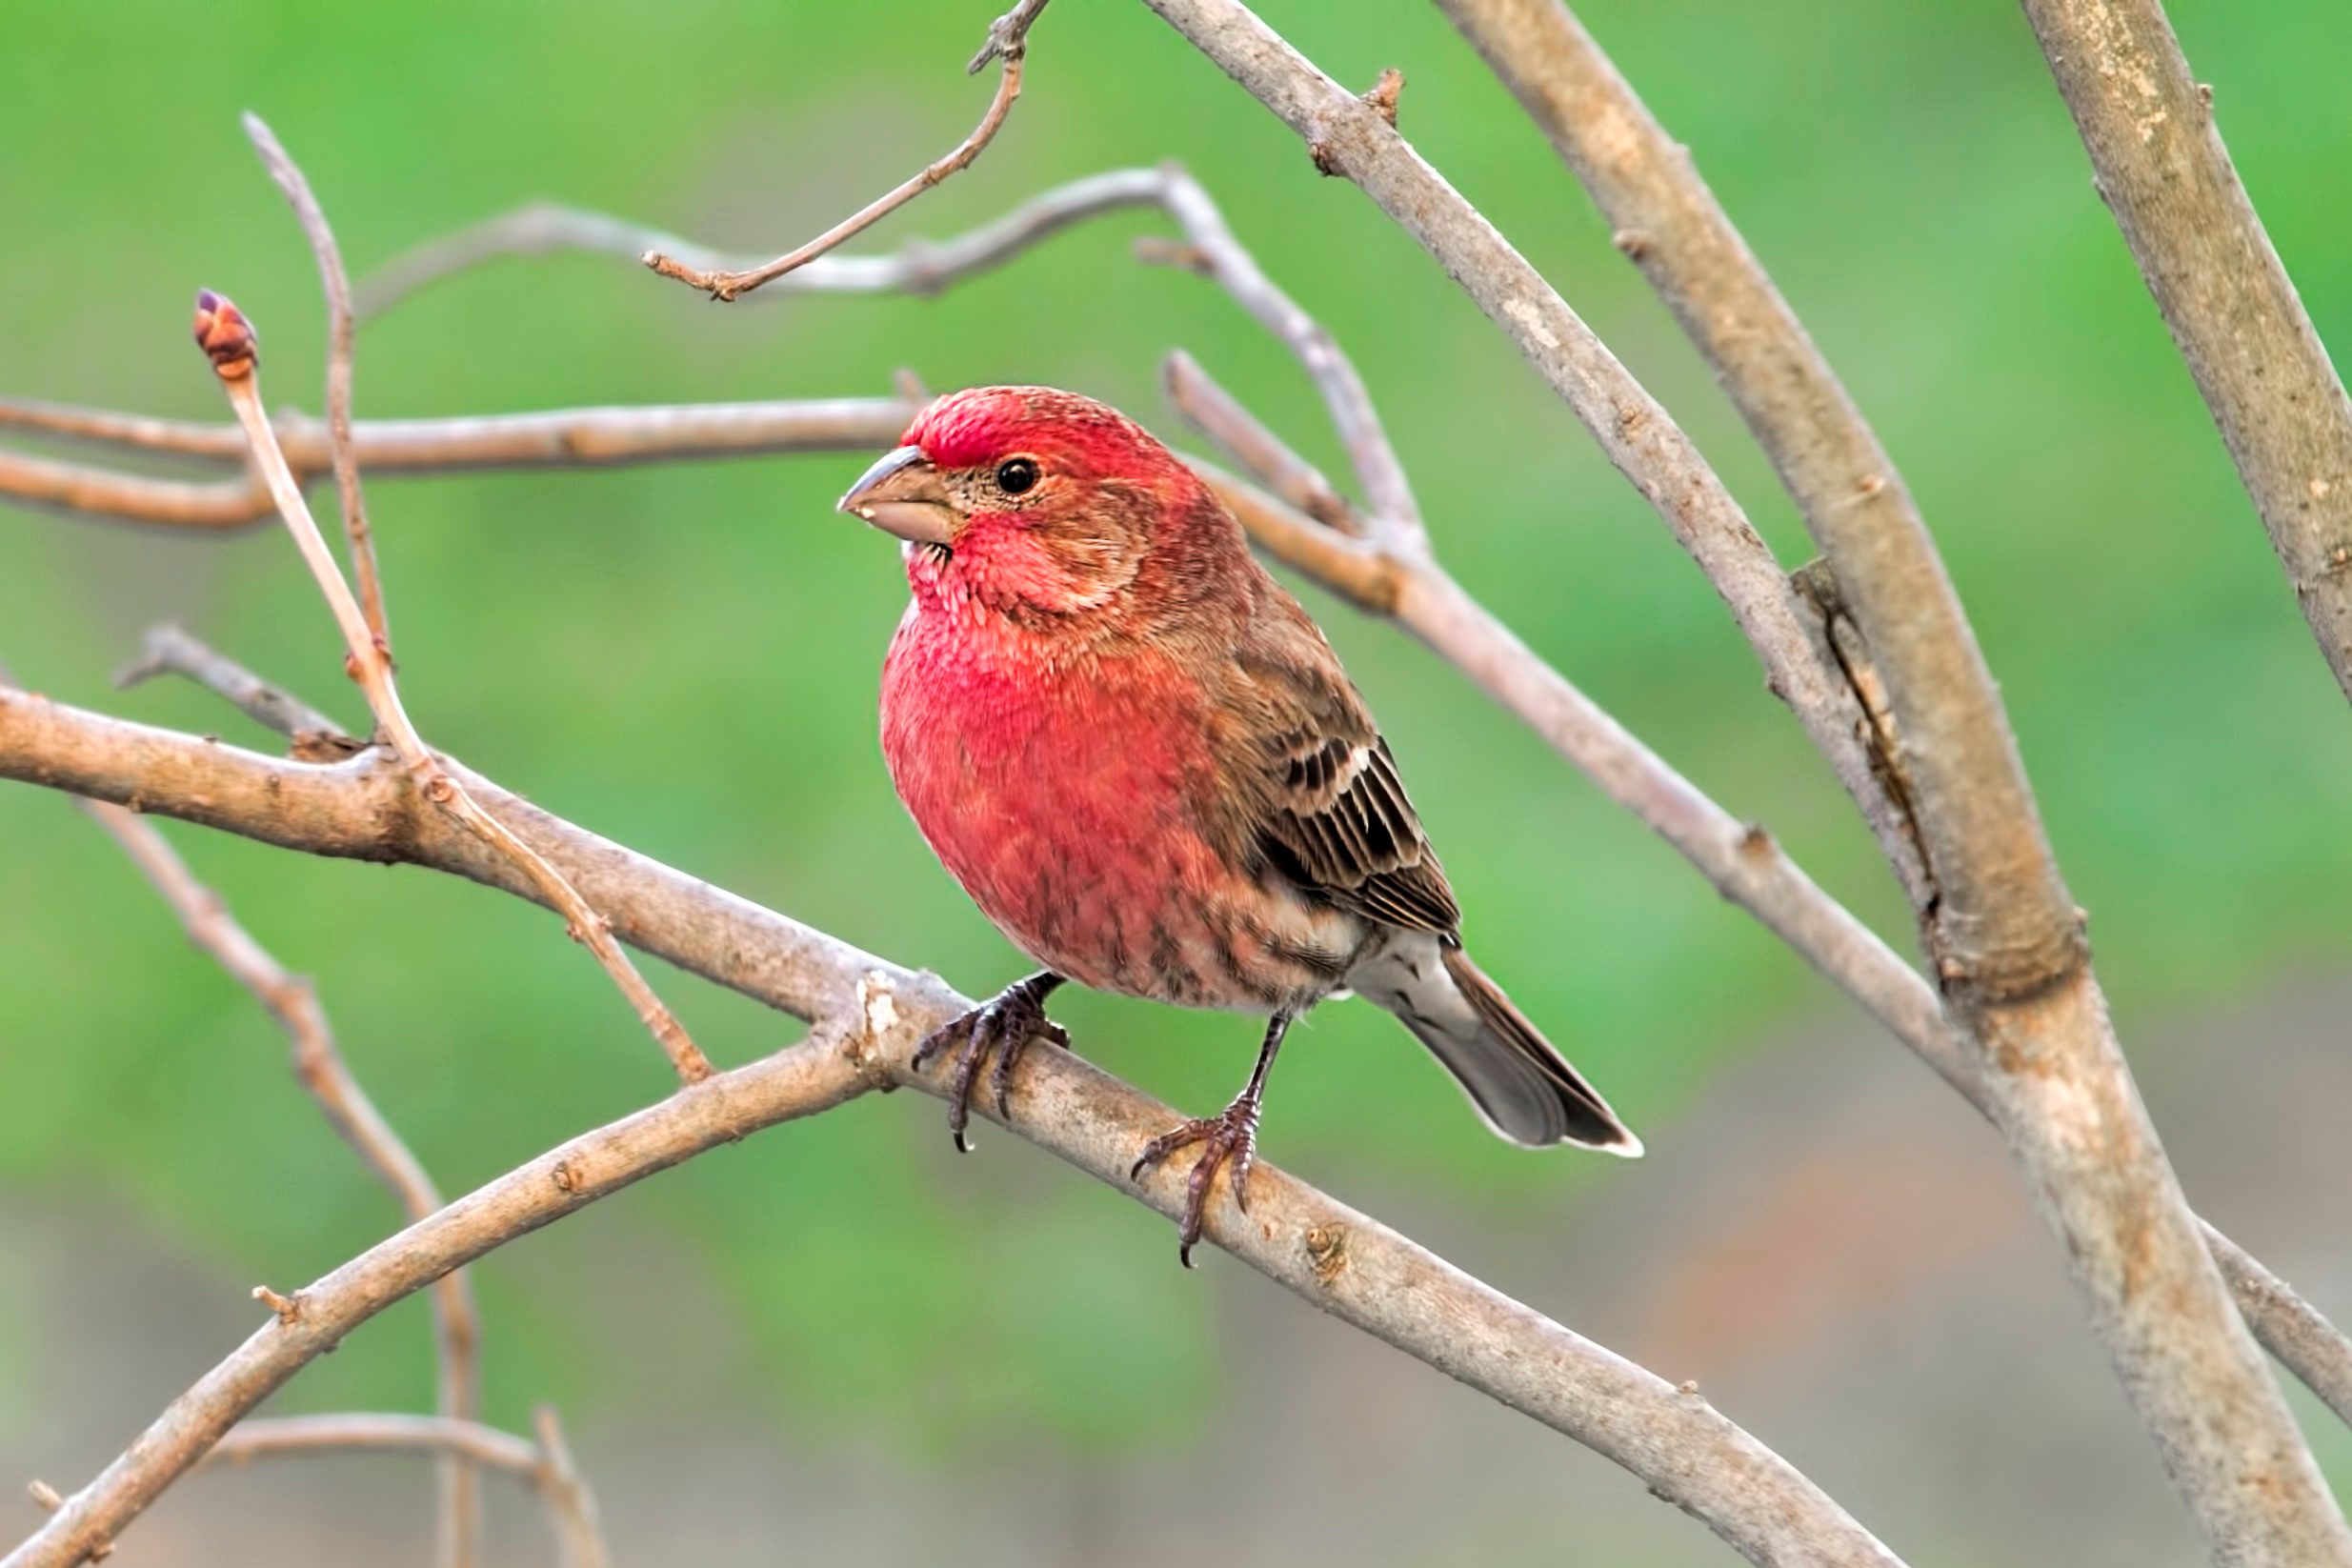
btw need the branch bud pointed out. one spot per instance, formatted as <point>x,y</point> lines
<point>226,336</point>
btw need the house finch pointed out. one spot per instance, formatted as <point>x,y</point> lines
<point>1142,759</point>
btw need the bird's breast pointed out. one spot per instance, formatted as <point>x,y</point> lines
<point>1074,799</point>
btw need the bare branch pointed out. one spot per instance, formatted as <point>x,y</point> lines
<point>340,332</point>
<point>580,1530</point>
<point>1219,416</point>
<point>560,438</point>
<point>1340,1260</point>
<point>1008,41</point>
<point>2157,160</point>
<point>571,1509</point>
<point>170,651</point>
<point>920,268</point>
<point>74,488</point>
<point>293,1002</point>
<point>535,230</point>
<point>293,1437</point>
<point>104,426</point>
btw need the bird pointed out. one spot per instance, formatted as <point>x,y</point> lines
<point>1139,755</point>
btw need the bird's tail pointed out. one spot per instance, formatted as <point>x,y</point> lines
<point>1524,1088</point>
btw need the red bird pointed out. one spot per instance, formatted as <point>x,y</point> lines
<point>1142,759</point>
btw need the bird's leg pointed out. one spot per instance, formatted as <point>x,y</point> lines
<point>1005,1025</point>
<point>1231,1137</point>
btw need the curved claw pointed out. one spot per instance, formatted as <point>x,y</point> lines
<point>1232,1143</point>
<point>1004,1025</point>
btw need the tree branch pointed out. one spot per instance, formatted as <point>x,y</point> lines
<point>2161,166</point>
<point>561,438</point>
<point>170,651</point>
<point>2005,936</point>
<point>228,339</point>
<point>873,1016</point>
<point>1008,41</point>
<point>571,1509</point>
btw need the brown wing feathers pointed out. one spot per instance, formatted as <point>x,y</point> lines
<point>1333,817</point>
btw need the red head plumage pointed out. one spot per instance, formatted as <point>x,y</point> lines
<point>1064,512</point>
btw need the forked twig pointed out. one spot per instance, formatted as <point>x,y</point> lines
<point>228,339</point>
<point>1008,41</point>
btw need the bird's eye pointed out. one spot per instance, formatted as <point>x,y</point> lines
<point>1015,475</point>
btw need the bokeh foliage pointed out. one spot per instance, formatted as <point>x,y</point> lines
<point>685,658</point>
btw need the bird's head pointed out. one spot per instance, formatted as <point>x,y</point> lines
<point>1047,507</point>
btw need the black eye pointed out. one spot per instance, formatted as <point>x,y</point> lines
<point>1015,475</point>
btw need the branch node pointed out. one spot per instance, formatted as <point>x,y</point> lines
<point>1381,98</point>
<point>1007,38</point>
<point>1635,243</point>
<point>288,1308</point>
<point>1327,1253</point>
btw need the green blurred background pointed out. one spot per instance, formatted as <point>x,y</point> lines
<point>685,658</point>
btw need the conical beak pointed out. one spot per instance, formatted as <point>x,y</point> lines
<point>904,494</point>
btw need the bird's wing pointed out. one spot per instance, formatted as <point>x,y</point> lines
<point>1329,809</point>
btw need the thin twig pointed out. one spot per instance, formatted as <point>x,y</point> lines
<point>340,333</point>
<point>2158,162</point>
<point>579,1528</point>
<point>570,1508</point>
<point>1219,416</point>
<point>170,651</point>
<point>228,339</point>
<point>293,1002</point>
<point>1008,41</point>
<point>926,267</point>
<point>559,438</point>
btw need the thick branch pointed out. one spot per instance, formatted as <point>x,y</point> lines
<point>1669,224</point>
<point>1336,1258</point>
<point>2163,171</point>
<point>2005,936</point>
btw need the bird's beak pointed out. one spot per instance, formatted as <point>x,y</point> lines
<point>904,494</point>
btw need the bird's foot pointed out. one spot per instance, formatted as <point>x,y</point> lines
<point>1230,1140</point>
<point>1004,1026</point>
